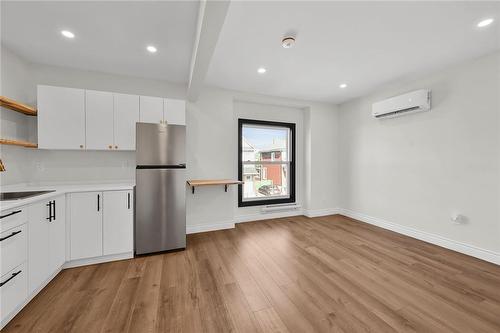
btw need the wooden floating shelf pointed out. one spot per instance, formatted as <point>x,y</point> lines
<point>16,106</point>
<point>20,143</point>
<point>211,182</point>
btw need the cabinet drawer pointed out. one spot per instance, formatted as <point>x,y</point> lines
<point>12,218</point>
<point>13,291</point>
<point>13,248</point>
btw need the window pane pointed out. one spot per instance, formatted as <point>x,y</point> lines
<point>265,181</point>
<point>260,143</point>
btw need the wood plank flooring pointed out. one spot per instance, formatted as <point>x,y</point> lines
<point>326,274</point>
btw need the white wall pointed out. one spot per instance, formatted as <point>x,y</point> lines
<point>322,144</point>
<point>14,73</point>
<point>211,140</point>
<point>414,171</point>
<point>418,170</point>
<point>212,153</point>
<point>19,80</point>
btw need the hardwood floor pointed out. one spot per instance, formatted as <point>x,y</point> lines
<point>327,274</point>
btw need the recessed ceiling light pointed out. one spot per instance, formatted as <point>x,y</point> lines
<point>151,49</point>
<point>261,70</point>
<point>67,34</point>
<point>485,22</point>
<point>343,85</point>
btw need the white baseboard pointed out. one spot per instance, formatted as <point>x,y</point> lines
<point>450,244</point>
<point>98,260</point>
<point>321,212</point>
<point>193,229</point>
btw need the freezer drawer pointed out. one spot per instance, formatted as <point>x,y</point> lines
<point>160,212</point>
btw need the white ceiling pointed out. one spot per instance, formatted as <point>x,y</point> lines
<point>363,44</point>
<point>110,36</point>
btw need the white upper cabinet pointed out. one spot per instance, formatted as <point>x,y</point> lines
<point>77,119</point>
<point>61,118</point>
<point>126,114</point>
<point>174,111</point>
<point>151,109</point>
<point>99,120</point>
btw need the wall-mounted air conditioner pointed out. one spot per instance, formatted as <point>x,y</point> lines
<point>415,101</point>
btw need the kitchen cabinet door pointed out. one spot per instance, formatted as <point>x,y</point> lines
<point>151,109</point>
<point>38,245</point>
<point>118,222</point>
<point>126,114</point>
<point>85,225</point>
<point>99,120</point>
<point>174,111</point>
<point>61,118</point>
<point>57,234</point>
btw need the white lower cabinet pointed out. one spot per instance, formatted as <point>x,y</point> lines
<point>101,223</point>
<point>57,234</point>
<point>33,240</point>
<point>85,225</point>
<point>46,240</point>
<point>118,222</point>
<point>38,245</point>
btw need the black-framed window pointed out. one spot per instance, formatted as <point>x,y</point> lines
<point>266,162</point>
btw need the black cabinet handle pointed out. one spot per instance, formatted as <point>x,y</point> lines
<point>53,209</point>
<point>98,202</point>
<point>11,277</point>
<point>9,236</point>
<point>10,214</point>
<point>128,200</point>
<point>50,211</point>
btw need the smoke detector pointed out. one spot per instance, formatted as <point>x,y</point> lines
<point>288,42</point>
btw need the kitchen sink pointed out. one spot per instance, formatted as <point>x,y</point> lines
<point>21,195</point>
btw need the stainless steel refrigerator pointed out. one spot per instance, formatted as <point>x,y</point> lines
<point>160,193</point>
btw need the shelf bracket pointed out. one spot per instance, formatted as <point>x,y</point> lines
<point>192,189</point>
<point>225,187</point>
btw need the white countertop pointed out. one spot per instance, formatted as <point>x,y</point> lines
<point>59,189</point>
